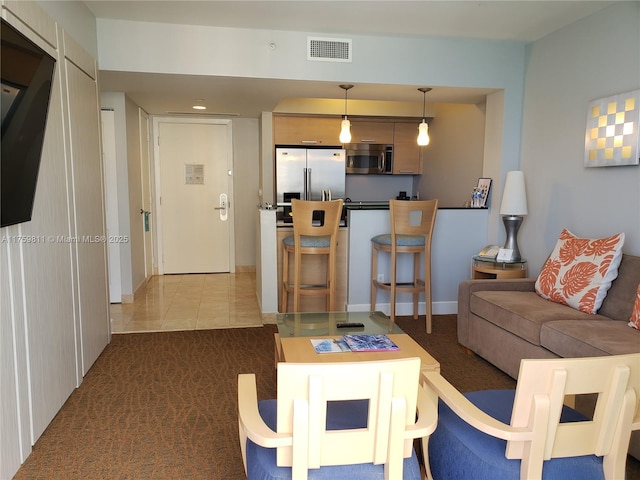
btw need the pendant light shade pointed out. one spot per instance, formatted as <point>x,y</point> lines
<point>423,128</point>
<point>345,131</point>
<point>423,134</point>
<point>345,126</point>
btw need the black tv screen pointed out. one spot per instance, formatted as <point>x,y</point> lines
<point>27,76</point>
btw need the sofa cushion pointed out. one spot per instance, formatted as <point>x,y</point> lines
<point>579,271</point>
<point>619,300</point>
<point>634,319</point>
<point>589,338</point>
<point>522,313</point>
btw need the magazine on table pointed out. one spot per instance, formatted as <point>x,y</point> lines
<point>370,343</point>
<point>330,345</point>
<point>354,343</point>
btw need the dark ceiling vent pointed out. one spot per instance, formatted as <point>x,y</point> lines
<point>329,49</point>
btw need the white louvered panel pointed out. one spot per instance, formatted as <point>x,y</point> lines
<point>329,49</point>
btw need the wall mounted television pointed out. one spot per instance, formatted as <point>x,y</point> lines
<point>27,77</point>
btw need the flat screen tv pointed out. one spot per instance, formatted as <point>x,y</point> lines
<point>27,76</point>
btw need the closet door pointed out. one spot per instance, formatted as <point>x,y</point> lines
<point>90,247</point>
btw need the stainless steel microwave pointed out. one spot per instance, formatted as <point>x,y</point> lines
<point>369,158</point>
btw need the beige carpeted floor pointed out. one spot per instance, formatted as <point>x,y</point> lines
<point>163,405</point>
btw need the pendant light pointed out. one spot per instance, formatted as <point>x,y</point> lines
<point>345,126</point>
<point>423,128</point>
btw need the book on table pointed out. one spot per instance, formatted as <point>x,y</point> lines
<point>354,343</point>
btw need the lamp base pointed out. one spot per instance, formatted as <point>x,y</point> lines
<point>512,225</point>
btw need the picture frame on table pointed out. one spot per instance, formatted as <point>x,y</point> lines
<point>484,188</point>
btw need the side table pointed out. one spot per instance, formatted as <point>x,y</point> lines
<point>491,268</point>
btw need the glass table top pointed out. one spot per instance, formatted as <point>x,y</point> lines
<point>310,324</point>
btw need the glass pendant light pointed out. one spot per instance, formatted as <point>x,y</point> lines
<point>423,128</point>
<point>345,126</point>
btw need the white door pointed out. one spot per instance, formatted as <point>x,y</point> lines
<point>194,197</point>
<point>145,179</point>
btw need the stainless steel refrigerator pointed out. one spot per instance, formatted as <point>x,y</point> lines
<point>306,173</point>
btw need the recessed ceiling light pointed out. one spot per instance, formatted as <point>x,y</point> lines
<point>199,107</point>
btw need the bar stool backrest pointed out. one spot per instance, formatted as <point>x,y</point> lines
<point>413,217</point>
<point>303,213</point>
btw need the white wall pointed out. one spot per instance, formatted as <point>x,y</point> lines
<point>593,58</point>
<point>117,102</point>
<point>246,163</point>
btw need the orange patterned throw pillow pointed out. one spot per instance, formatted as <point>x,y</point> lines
<point>579,271</point>
<point>634,321</point>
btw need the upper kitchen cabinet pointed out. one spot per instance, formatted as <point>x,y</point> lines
<point>407,155</point>
<point>321,131</point>
<point>371,132</point>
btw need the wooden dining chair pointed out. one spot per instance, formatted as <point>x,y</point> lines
<point>352,420</point>
<point>528,433</point>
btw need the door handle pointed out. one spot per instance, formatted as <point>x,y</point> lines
<point>223,205</point>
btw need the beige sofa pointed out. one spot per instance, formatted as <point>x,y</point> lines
<point>505,321</point>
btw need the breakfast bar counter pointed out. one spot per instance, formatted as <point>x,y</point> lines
<point>458,235</point>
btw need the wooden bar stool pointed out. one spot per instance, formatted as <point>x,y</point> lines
<point>311,237</point>
<point>411,231</point>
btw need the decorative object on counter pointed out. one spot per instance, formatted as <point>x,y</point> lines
<point>423,128</point>
<point>513,209</point>
<point>612,137</point>
<point>484,187</point>
<point>345,126</point>
<point>411,232</point>
<point>309,238</point>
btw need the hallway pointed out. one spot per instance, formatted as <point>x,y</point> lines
<point>190,302</point>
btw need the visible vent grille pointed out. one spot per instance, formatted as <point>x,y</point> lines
<point>328,49</point>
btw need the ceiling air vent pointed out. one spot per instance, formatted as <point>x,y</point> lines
<point>328,49</point>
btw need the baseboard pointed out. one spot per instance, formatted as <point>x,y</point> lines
<point>437,308</point>
<point>245,269</point>
<point>128,298</point>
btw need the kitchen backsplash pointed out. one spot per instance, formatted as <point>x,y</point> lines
<point>370,188</point>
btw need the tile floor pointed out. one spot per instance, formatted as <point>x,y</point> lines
<point>190,302</point>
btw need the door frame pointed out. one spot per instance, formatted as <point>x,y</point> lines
<point>146,176</point>
<point>157,120</point>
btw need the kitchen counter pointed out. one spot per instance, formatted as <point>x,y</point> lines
<point>458,235</point>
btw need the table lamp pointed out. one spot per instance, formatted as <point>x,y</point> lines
<point>513,209</point>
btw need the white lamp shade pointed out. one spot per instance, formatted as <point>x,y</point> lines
<point>423,134</point>
<point>514,198</point>
<point>345,131</point>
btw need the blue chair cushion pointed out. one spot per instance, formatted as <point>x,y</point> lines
<point>323,241</point>
<point>459,451</point>
<point>261,462</point>
<point>402,240</point>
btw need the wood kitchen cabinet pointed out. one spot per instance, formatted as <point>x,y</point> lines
<point>407,154</point>
<point>324,131</point>
<point>371,132</point>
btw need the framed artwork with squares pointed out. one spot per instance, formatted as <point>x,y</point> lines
<point>611,137</point>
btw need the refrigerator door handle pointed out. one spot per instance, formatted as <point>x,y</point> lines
<point>307,184</point>
<point>304,183</point>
